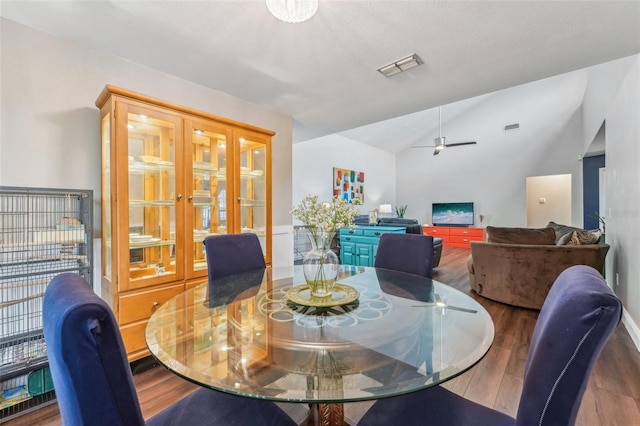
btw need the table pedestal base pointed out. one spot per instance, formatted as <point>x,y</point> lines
<point>326,415</point>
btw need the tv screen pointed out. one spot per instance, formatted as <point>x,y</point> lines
<point>452,214</point>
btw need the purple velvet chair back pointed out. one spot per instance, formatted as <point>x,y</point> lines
<point>409,253</point>
<point>577,318</point>
<point>89,367</point>
<point>233,253</point>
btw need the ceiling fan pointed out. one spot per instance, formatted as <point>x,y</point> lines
<point>441,140</point>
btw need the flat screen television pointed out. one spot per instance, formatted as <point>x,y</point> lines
<point>452,214</point>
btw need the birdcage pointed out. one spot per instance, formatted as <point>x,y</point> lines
<point>43,232</point>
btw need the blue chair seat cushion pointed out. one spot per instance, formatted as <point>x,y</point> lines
<point>434,406</point>
<point>210,407</point>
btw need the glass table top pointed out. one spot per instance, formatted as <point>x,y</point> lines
<point>244,336</point>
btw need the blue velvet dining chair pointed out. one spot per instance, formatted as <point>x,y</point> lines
<point>411,253</point>
<point>577,318</point>
<point>92,378</point>
<point>233,253</point>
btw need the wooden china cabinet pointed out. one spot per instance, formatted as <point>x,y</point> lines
<point>171,176</point>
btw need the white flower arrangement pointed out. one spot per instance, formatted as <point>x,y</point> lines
<point>326,217</point>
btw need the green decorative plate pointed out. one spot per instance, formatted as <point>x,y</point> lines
<point>341,295</point>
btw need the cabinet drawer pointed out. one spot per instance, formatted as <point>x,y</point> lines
<point>350,231</point>
<point>436,232</point>
<point>133,336</point>
<point>373,233</point>
<point>377,233</point>
<point>349,239</point>
<point>140,305</point>
<point>460,239</point>
<point>467,232</point>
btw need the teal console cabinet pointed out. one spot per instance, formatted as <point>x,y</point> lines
<point>358,245</point>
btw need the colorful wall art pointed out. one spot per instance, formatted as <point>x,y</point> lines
<point>348,184</point>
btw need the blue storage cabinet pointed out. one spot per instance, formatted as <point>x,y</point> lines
<point>358,245</point>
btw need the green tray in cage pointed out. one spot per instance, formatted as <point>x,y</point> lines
<point>39,382</point>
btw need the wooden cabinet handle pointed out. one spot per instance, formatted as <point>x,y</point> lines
<point>190,198</point>
<point>179,197</point>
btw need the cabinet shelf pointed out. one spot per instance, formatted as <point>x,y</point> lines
<point>155,243</point>
<point>252,203</point>
<point>204,168</point>
<point>141,167</point>
<point>151,203</point>
<point>244,176</point>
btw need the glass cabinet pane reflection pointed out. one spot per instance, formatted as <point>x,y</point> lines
<point>152,209</point>
<point>253,187</point>
<point>209,186</point>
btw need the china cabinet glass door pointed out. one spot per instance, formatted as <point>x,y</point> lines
<point>252,214</point>
<point>153,193</point>
<point>207,170</point>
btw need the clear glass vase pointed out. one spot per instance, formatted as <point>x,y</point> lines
<point>320,264</point>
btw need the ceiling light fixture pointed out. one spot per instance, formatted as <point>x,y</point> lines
<point>400,65</point>
<point>292,11</point>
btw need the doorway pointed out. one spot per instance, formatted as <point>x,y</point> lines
<point>548,200</point>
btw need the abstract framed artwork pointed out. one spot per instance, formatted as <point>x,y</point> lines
<point>348,184</point>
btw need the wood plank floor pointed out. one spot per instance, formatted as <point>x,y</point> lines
<point>612,396</point>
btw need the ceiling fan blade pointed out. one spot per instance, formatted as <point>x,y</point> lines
<point>461,143</point>
<point>423,146</point>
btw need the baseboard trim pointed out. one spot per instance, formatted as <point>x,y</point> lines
<point>632,328</point>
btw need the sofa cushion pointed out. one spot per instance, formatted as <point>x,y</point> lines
<point>535,236</point>
<point>564,239</point>
<point>412,225</point>
<point>564,233</point>
<point>581,237</point>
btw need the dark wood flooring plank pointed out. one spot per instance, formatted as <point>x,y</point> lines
<point>508,396</point>
<point>487,377</point>
<point>588,414</point>
<point>615,409</point>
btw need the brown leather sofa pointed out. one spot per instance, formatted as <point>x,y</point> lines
<point>520,269</point>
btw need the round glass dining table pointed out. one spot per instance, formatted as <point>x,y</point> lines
<point>260,335</point>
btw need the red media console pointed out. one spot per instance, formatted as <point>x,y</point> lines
<point>455,236</point>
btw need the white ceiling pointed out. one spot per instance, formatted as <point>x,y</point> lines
<point>323,72</point>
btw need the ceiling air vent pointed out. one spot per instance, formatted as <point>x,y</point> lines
<point>512,126</point>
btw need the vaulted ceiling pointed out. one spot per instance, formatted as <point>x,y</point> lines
<point>323,72</point>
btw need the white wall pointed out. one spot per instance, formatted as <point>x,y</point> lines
<point>493,173</point>
<point>50,125</point>
<point>314,160</point>
<point>622,136</point>
<point>604,81</point>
